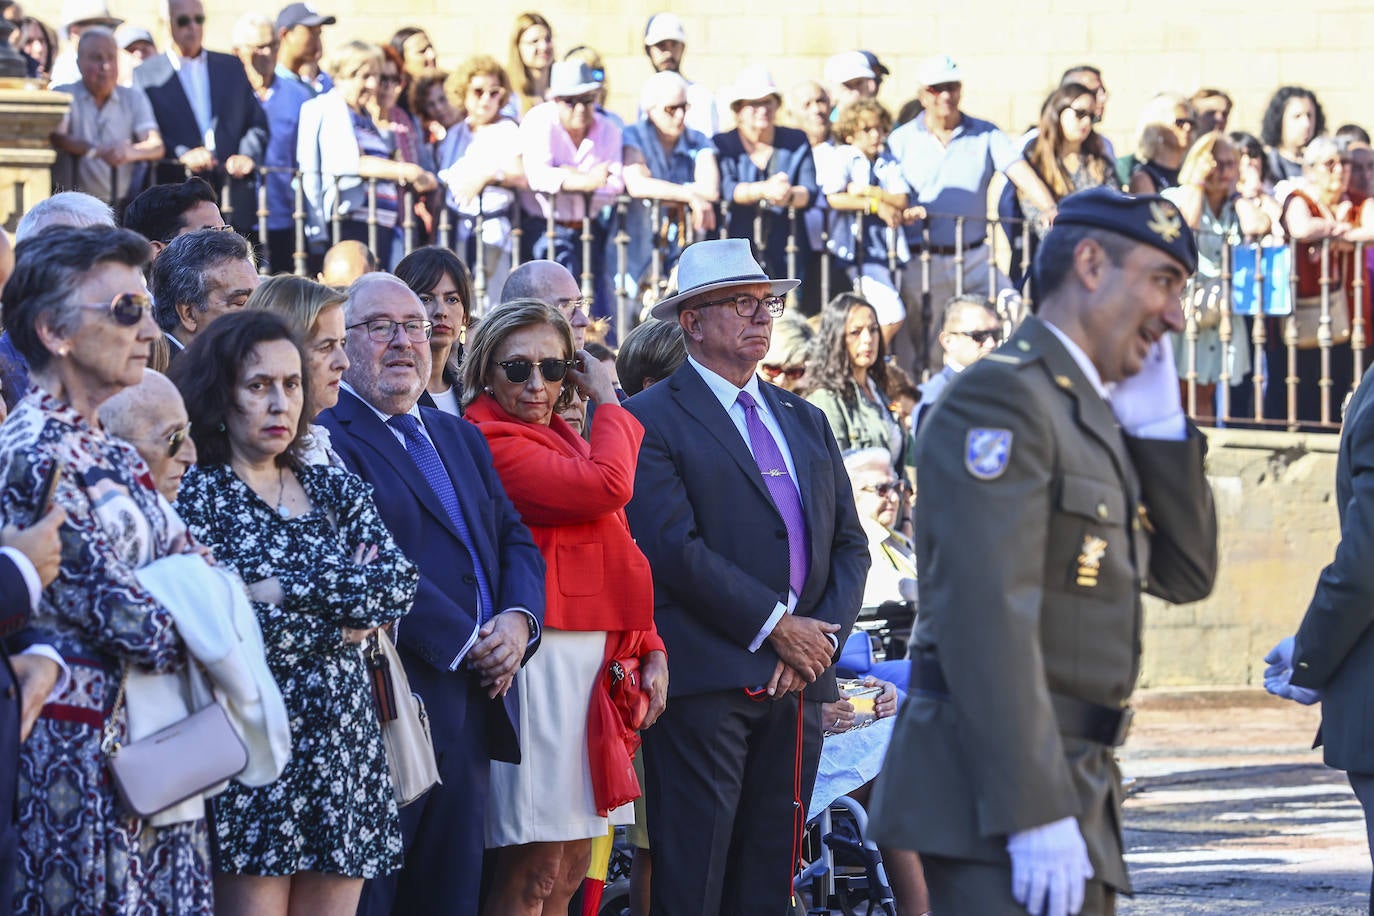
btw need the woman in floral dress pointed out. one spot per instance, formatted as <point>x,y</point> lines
<point>77,309</point>
<point>323,573</point>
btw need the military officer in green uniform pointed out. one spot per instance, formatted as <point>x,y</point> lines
<point>1058,479</point>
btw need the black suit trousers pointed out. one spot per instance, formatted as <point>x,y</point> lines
<point>720,774</point>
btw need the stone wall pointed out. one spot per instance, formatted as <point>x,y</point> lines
<point>1275,497</point>
<point>1012,50</point>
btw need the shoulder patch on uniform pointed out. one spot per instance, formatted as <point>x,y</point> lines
<point>986,452</point>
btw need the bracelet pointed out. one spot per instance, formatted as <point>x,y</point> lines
<point>873,206</point>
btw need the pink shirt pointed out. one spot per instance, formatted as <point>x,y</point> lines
<point>548,150</point>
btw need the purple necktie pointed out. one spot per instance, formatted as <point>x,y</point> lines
<point>782,488</point>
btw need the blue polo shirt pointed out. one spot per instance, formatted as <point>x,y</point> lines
<point>283,110</point>
<point>952,180</point>
<point>679,167</point>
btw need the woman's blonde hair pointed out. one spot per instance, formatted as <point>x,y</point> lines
<point>350,57</point>
<point>296,299</point>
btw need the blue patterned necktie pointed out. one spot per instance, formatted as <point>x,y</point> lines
<point>422,452</point>
<point>783,490</point>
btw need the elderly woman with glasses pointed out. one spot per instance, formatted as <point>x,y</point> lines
<point>323,572</point>
<point>479,161</point>
<point>1322,217</point>
<point>520,369</point>
<point>846,378</point>
<point>343,152</point>
<point>77,310</point>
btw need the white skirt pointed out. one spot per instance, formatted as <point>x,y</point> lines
<point>548,796</point>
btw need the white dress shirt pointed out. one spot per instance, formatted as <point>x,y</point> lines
<point>194,74</point>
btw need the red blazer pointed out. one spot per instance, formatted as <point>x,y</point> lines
<point>572,495</point>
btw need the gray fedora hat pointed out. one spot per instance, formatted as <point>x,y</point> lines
<point>717,264</point>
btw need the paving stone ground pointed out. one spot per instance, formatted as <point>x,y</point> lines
<point>1230,811</point>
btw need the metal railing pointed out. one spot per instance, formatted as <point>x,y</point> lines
<point>1276,344</point>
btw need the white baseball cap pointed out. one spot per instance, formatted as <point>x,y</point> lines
<point>851,65</point>
<point>664,27</point>
<point>939,69</point>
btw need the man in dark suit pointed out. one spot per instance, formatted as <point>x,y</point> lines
<point>480,603</point>
<point>743,508</point>
<point>210,120</point>
<point>28,561</point>
<point>1048,503</point>
<point>1331,658</point>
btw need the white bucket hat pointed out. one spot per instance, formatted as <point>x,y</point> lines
<point>717,264</point>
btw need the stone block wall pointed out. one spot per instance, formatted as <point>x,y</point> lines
<point>1275,497</point>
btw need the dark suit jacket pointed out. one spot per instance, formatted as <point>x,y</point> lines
<point>239,124</point>
<point>444,614</point>
<point>717,545</point>
<point>14,612</point>
<point>1030,579</point>
<point>1334,648</point>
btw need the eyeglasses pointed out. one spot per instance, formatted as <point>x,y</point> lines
<point>940,88</point>
<point>1182,123</point>
<point>791,373</point>
<point>387,79</point>
<point>747,306</point>
<point>126,309</point>
<point>1079,113</point>
<point>485,93</point>
<point>569,307</point>
<point>885,488</point>
<point>550,370</point>
<point>184,20</point>
<point>674,110</point>
<point>1331,165</point>
<point>981,337</point>
<point>588,100</point>
<point>382,330</point>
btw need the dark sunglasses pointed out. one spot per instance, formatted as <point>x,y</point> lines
<point>791,373</point>
<point>177,439</point>
<point>886,488</point>
<point>127,309</point>
<point>184,20</point>
<point>550,370</point>
<point>588,100</point>
<point>671,110</point>
<point>981,337</point>
<point>1079,113</point>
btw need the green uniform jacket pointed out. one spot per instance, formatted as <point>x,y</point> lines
<point>1030,581</point>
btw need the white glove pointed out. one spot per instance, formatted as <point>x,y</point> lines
<point>1280,672</point>
<point>1049,868</point>
<point>1148,404</point>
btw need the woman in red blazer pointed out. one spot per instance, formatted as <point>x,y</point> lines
<point>574,778</point>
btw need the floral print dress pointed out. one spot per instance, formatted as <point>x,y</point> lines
<point>332,810</point>
<point>80,852</point>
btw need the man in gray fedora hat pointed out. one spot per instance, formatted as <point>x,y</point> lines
<point>743,507</point>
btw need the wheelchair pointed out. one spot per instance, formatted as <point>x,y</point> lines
<point>844,871</point>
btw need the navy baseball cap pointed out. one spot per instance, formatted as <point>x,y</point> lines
<point>1147,218</point>
<point>295,14</point>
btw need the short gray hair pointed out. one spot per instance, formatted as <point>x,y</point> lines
<point>69,208</point>
<point>179,273</point>
<point>1318,150</point>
